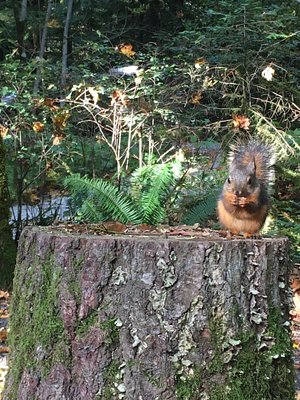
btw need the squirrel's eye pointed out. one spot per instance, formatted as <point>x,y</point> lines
<point>249,180</point>
<point>229,180</point>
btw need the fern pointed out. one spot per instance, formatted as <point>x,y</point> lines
<point>90,212</point>
<point>99,198</point>
<point>150,187</point>
<point>203,210</point>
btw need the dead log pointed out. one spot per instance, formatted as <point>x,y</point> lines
<point>149,317</point>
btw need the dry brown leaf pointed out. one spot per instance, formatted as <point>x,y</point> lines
<point>196,98</point>
<point>200,61</point>
<point>119,96</point>
<point>3,334</point>
<point>126,49</point>
<point>3,131</point>
<point>50,103</point>
<point>57,139</point>
<point>241,122</point>
<point>38,126</point>
<point>4,294</point>
<point>60,120</point>
<point>4,349</point>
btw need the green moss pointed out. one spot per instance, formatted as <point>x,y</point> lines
<point>217,339</point>
<point>187,388</point>
<point>37,337</point>
<point>256,372</point>
<point>110,379</point>
<point>85,325</point>
<point>112,330</point>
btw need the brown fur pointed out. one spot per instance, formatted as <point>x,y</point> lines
<point>240,221</point>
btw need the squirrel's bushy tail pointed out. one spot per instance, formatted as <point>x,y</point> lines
<point>262,156</point>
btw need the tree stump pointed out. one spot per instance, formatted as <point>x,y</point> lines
<point>149,317</point>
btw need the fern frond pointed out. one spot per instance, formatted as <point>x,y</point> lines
<point>150,186</point>
<point>203,210</point>
<point>153,200</point>
<point>102,196</point>
<point>90,212</point>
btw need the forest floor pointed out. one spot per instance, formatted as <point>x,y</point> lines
<point>4,350</point>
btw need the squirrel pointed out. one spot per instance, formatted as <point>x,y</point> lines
<point>244,202</point>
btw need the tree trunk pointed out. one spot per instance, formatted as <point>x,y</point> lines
<point>20,21</point>
<point>42,48</point>
<point>7,246</point>
<point>65,44</point>
<point>151,317</point>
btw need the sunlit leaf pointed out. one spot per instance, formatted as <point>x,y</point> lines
<point>60,120</point>
<point>94,93</point>
<point>38,126</point>
<point>50,103</point>
<point>241,122</point>
<point>268,73</point>
<point>200,61</point>
<point>118,96</point>
<point>126,49</point>
<point>3,131</point>
<point>57,139</point>
<point>196,98</point>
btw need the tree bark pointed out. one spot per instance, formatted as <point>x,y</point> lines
<point>65,44</point>
<point>145,318</point>
<point>20,21</point>
<point>42,48</point>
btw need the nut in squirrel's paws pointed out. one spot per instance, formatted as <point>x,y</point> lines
<point>243,201</point>
<point>238,200</point>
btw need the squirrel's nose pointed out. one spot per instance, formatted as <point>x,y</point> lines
<point>238,192</point>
